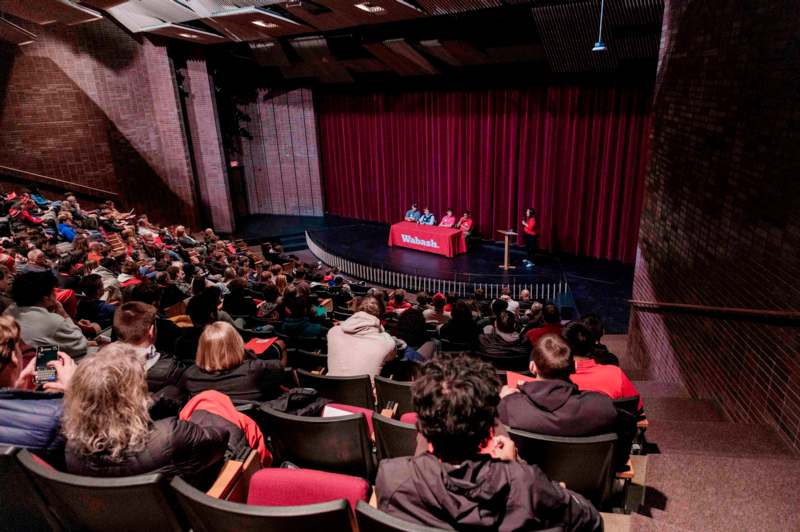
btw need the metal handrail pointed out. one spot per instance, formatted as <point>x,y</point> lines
<point>755,314</point>
<point>69,185</point>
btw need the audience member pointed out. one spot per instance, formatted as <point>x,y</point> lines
<point>397,302</point>
<point>223,365</point>
<point>411,330</point>
<point>41,317</point>
<point>552,404</point>
<point>437,314</point>
<point>504,340</point>
<point>591,376</point>
<point>552,323</point>
<point>91,308</point>
<point>359,345</point>
<point>455,485</point>
<point>461,328</point>
<point>600,352</point>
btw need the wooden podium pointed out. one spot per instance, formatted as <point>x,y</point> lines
<point>507,251</point>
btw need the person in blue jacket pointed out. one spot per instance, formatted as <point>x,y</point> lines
<point>427,217</point>
<point>412,214</point>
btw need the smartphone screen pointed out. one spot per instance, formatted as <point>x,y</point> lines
<point>45,354</point>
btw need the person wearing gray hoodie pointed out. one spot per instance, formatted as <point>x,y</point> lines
<point>360,346</point>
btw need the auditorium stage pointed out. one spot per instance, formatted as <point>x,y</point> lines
<point>580,285</point>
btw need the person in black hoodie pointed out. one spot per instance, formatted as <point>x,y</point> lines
<point>456,485</point>
<point>552,404</point>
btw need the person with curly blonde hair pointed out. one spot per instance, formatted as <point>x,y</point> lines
<point>109,430</point>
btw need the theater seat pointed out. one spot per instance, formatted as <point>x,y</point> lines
<point>373,520</point>
<point>397,391</point>
<point>410,418</point>
<point>507,363</point>
<point>21,507</point>
<point>293,487</point>
<point>307,360</point>
<point>584,464</point>
<point>394,438</point>
<point>143,502</point>
<point>335,444</point>
<point>355,391</point>
<point>207,514</point>
<point>366,412</point>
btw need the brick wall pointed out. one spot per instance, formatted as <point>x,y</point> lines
<point>281,162</point>
<point>721,219</point>
<point>92,105</point>
<point>210,164</point>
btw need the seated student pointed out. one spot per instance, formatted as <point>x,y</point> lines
<point>600,352</point>
<point>456,486</point>
<point>223,365</point>
<point>168,332</point>
<point>359,345</point>
<point>298,323</point>
<point>504,340</point>
<point>437,314</point>
<point>135,325</point>
<point>427,217</point>
<point>412,214</point>
<point>398,303</point>
<point>497,306</point>
<point>202,310</point>
<point>506,295</point>
<point>109,430</point>
<point>91,308</point>
<point>461,328</point>
<point>589,375</point>
<point>42,319</point>
<point>552,324</point>
<point>28,418</point>
<point>411,331</point>
<point>448,220</point>
<point>239,302</point>
<point>552,404</point>
<point>465,223</point>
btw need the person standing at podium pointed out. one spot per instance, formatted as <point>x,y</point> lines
<point>531,233</point>
<point>427,217</point>
<point>412,214</point>
<point>448,220</point>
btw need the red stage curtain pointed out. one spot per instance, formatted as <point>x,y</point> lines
<point>576,154</point>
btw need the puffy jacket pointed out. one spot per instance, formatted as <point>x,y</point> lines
<point>482,493</point>
<point>175,447</point>
<point>359,346</point>
<point>31,420</point>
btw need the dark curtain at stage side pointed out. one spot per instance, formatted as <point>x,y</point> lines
<point>576,154</point>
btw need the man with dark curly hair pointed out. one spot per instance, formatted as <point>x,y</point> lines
<point>469,478</point>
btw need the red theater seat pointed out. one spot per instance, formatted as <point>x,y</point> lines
<point>295,487</point>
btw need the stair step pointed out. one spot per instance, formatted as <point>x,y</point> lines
<point>640,523</point>
<point>716,438</point>
<point>695,492</point>
<point>649,389</point>
<point>682,409</point>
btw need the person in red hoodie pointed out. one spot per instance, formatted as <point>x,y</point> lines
<point>552,324</point>
<point>531,233</point>
<point>591,376</point>
<point>398,302</point>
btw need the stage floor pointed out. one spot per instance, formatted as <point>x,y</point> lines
<point>595,285</point>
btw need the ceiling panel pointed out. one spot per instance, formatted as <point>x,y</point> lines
<point>402,48</point>
<point>329,15</point>
<point>314,52</point>
<point>362,66</point>
<point>394,61</point>
<point>447,7</point>
<point>269,53</point>
<point>49,11</point>
<point>103,4</point>
<point>437,49</point>
<point>185,33</point>
<point>10,32</point>
<point>254,24</point>
<point>465,53</point>
<point>163,10</point>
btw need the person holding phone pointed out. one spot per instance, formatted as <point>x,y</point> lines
<point>30,412</point>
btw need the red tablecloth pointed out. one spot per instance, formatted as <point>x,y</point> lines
<point>431,238</point>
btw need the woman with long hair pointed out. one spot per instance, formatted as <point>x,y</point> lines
<point>110,432</point>
<point>531,233</point>
<point>223,365</point>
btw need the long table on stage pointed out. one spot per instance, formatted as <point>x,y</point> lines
<point>431,238</point>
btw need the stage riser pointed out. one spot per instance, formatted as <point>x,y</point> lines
<point>558,293</point>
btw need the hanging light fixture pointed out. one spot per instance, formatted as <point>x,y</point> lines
<point>600,46</point>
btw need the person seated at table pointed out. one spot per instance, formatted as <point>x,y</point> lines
<point>427,217</point>
<point>465,223</point>
<point>448,220</point>
<point>413,214</point>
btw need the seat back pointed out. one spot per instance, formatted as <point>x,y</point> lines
<point>627,416</point>
<point>310,343</point>
<point>373,520</point>
<point>88,504</point>
<point>393,438</point>
<point>584,464</point>
<point>294,487</point>
<point>22,508</point>
<point>335,444</point>
<point>207,514</point>
<point>307,360</point>
<point>508,363</point>
<point>355,391</point>
<point>397,391</point>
